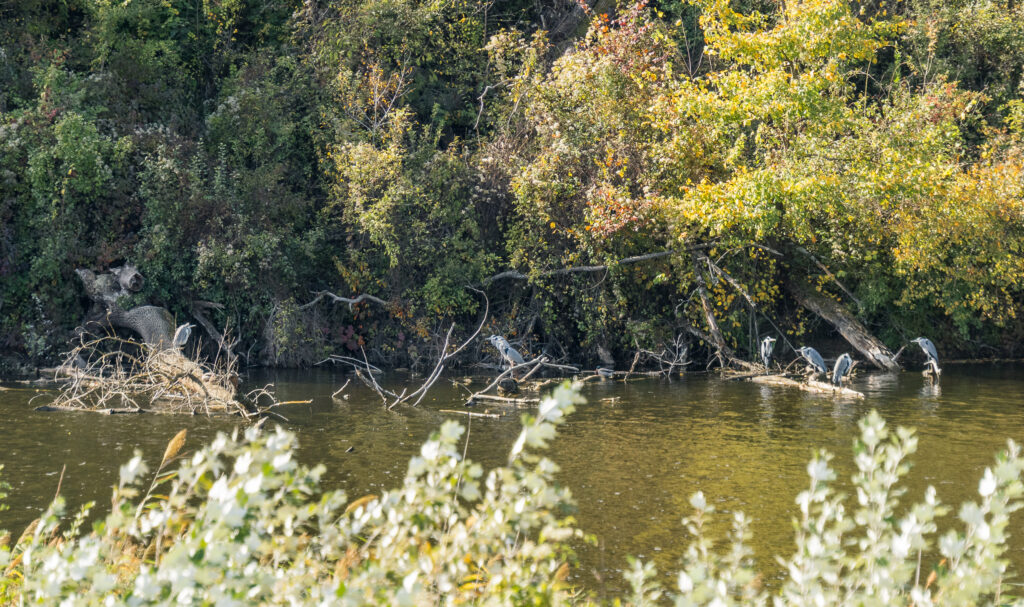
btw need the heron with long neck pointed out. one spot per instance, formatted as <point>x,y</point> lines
<point>181,335</point>
<point>505,349</point>
<point>767,345</point>
<point>930,352</point>
<point>841,369</point>
<point>814,360</point>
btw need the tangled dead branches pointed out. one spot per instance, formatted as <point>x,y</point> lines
<point>117,374</point>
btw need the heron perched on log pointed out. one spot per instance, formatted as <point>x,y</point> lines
<point>505,349</point>
<point>181,335</point>
<point>767,345</point>
<point>814,360</point>
<point>930,352</point>
<point>842,368</point>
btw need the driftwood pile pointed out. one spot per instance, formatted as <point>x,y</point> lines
<point>113,375</point>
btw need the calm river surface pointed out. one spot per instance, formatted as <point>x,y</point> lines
<point>632,455</point>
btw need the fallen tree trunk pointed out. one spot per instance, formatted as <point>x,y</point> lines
<point>869,346</point>
<point>815,387</point>
<point>152,323</point>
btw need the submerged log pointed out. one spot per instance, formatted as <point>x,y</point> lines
<point>471,413</point>
<point>815,387</point>
<point>109,411</point>
<point>502,400</point>
<point>873,350</point>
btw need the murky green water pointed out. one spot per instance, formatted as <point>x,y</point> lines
<point>632,456</point>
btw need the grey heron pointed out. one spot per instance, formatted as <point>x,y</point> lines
<point>842,368</point>
<point>930,352</point>
<point>181,335</point>
<point>813,359</point>
<point>767,345</point>
<point>505,349</point>
<point>605,372</point>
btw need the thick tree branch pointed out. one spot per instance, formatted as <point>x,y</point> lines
<point>346,300</point>
<point>729,279</point>
<point>198,306</point>
<point>709,313</point>
<point>517,275</point>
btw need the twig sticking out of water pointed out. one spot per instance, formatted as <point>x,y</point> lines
<point>671,358</point>
<point>421,392</point>
<point>352,362</point>
<point>531,365</point>
<point>341,389</point>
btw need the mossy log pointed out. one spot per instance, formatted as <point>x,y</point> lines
<point>815,387</point>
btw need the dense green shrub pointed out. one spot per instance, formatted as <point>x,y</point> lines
<point>253,153</point>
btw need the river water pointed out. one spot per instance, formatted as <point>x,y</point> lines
<point>632,455</point>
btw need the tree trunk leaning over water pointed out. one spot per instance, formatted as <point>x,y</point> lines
<point>709,313</point>
<point>714,336</point>
<point>152,323</point>
<point>851,329</point>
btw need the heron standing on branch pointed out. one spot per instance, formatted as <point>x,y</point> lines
<point>843,365</point>
<point>767,345</point>
<point>505,349</point>
<point>814,360</point>
<point>929,351</point>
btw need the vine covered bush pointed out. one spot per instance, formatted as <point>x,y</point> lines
<point>241,522</point>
